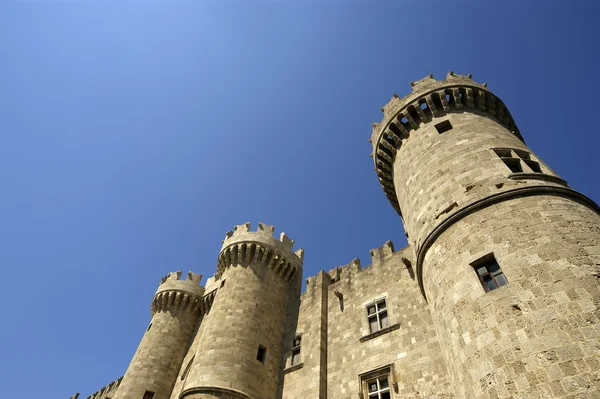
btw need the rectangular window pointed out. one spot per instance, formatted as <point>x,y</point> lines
<point>379,388</point>
<point>443,126</point>
<point>489,273</point>
<point>261,355</point>
<point>377,315</point>
<point>148,395</point>
<point>518,160</point>
<point>296,350</point>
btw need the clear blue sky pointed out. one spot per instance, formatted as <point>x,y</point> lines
<point>134,134</point>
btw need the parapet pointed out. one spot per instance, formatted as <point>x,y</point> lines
<point>242,246</point>
<point>173,293</point>
<point>378,255</point>
<point>429,98</point>
<point>105,390</point>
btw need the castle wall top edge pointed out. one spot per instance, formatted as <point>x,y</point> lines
<point>378,257</point>
<point>264,234</point>
<point>419,88</point>
<point>172,282</point>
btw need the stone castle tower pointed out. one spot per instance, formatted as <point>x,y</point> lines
<point>496,296</point>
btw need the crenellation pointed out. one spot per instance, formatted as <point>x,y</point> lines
<point>496,296</point>
<point>378,255</point>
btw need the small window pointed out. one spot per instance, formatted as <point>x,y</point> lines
<point>296,350</point>
<point>378,316</point>
<point>379,388</point>
<point>443,126</point>
<point>513,164</point>
<point>518,161</point>
<point>489,272</point>
<point>261,355</point>
<point>534,166</point>
<point>148,395</point>
<point>149,326</point>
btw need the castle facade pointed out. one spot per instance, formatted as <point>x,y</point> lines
<point>497,294</point>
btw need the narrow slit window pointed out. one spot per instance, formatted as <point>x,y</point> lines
<point>261,355</point>
<point>187,369</point>
<point>489,273</point>
<point>378,316</point>
<point>443,126</point>
<point>149,326</point>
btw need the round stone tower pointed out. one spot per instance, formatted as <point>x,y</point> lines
<point>242,344</point>
<point>176,310</point>
<point>507,254</point>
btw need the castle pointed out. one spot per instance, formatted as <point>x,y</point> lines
<point>496,295</point>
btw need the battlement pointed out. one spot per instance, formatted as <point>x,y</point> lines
<point>429,98</point>
<point>378,256</point>
<point>174,294</point>
<point>242,246</point>
<point>110,388</point>
<point>190,284</point>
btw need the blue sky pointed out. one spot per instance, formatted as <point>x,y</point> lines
<point>134,134</point>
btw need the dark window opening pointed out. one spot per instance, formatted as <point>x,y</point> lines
<point>149,326</point>
<point>378,316</point>
<point>296,350</point>
<point>261,356</point>
<point>534,166</point>
<point>512,158</point>
<point>513,164</point>
<point>489,272</point>
<point>148,395</point>
<point>522,154</point>
<point>443,126</point>
<point>222,284</point>
<point>503,152</point>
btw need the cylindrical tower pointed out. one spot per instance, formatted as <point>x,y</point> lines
<point>176,310</point>
<point>507,254</point>
<point>242,344</point>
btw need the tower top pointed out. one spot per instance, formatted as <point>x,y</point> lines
<point>243,246</point>
<point>429,98</point>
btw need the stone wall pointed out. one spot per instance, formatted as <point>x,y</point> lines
<point>410,346</point>
<point>538,336</point>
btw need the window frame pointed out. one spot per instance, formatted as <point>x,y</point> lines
<point>515,158</point>
<point>378,373</point>
<point>296,349</point>
<point>377,314</point>
<point>487,262</point>
<point>148,395</point>
<point>377,393</point>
